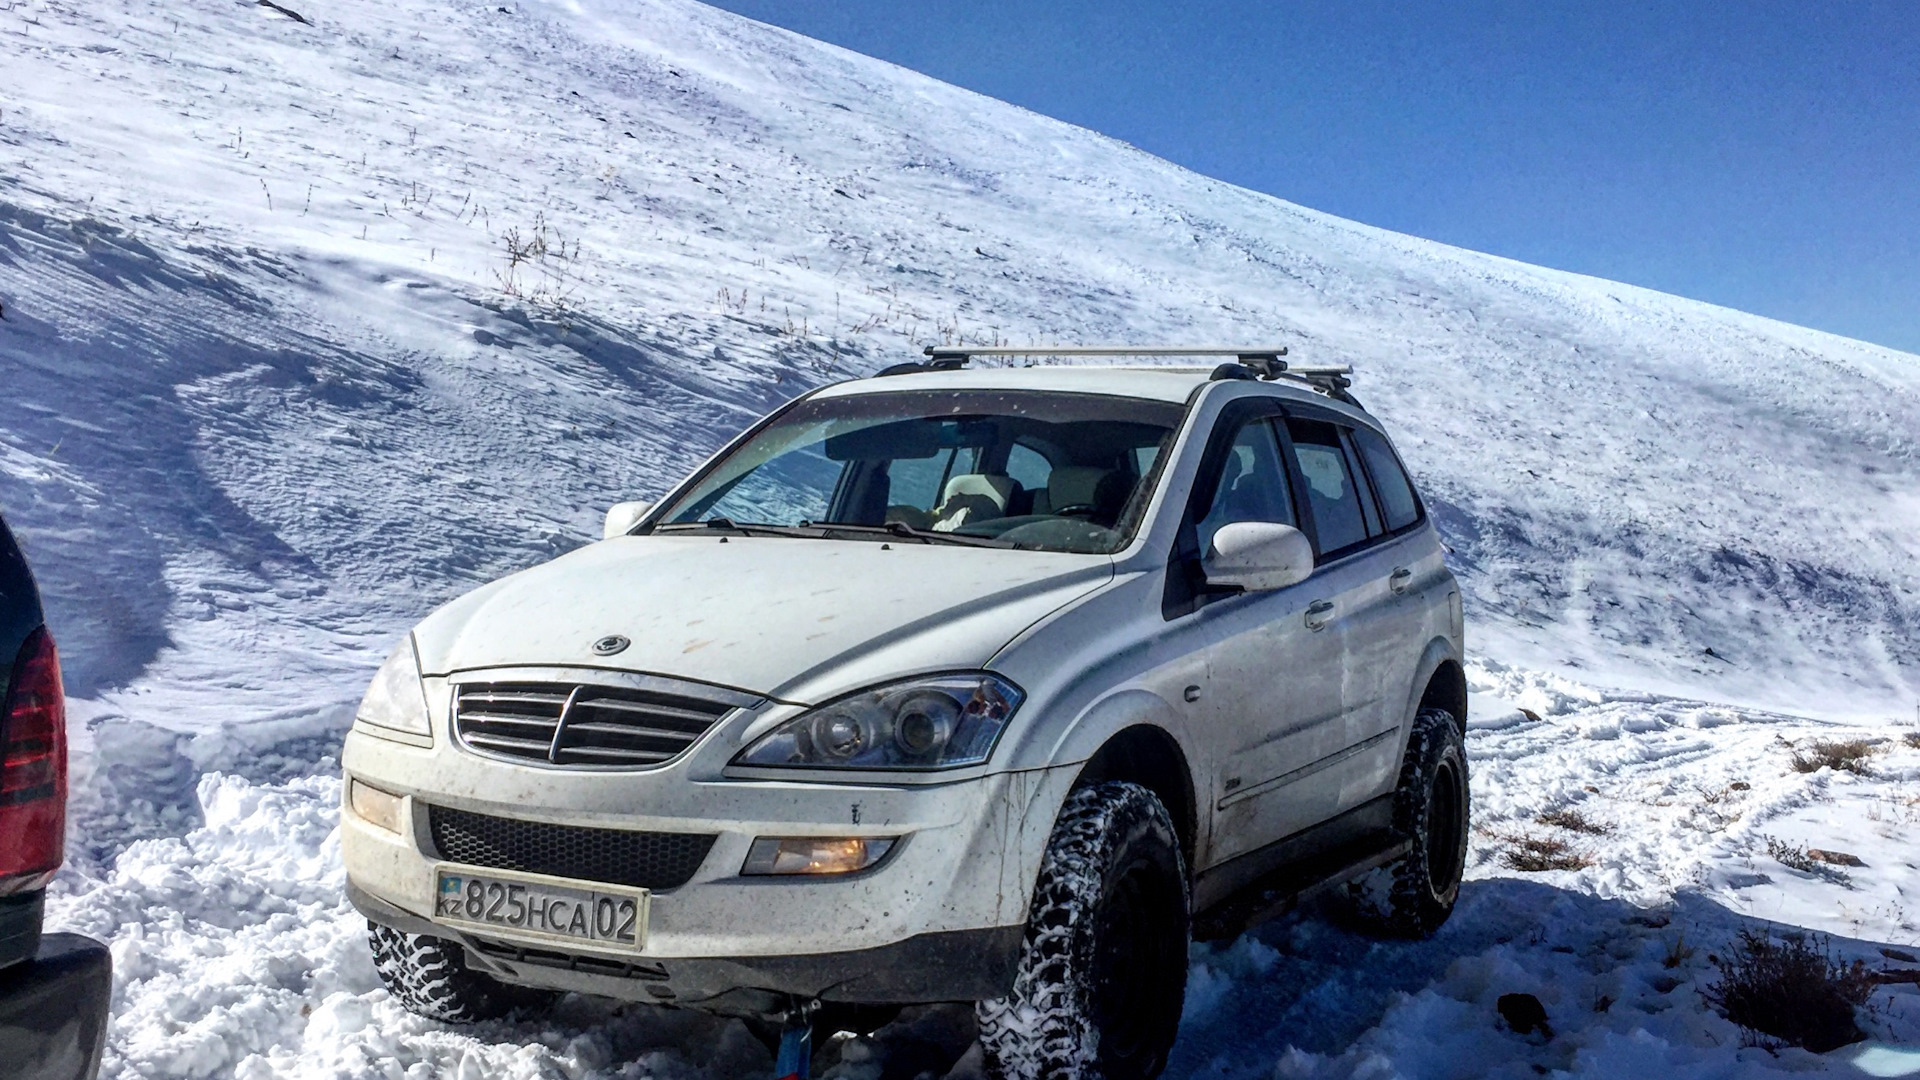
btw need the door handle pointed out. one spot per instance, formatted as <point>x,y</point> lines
<point>1399,579</point>
<point>1319,614</point>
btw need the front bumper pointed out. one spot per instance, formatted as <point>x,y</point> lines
<point>940,919</point>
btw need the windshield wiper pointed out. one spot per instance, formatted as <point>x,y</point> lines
<point>827,530</point>
<point>907,532</point>
<point>727,524</point>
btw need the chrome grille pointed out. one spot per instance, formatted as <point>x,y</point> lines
<point>586,724</point>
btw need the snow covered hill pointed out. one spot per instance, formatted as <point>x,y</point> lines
<point>308,326</point>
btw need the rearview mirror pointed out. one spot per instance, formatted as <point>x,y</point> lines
<point>1258,556</point>
<point>623,517</point>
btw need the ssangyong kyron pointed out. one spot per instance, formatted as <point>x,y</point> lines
<point>948,685</point>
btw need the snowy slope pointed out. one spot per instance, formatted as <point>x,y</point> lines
<point>305,328</point>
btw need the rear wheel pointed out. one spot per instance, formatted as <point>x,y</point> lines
<point>430,976</point>
<point>1413,895</point>
<point>1103,970</point>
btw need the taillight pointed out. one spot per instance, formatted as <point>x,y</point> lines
<point>33,767</point>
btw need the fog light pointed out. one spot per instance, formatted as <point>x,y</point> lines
<point>373,806</point>
<point>814,855</point>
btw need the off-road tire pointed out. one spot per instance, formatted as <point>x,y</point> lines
<point>1413,895</point>
<point>1103,967</point>
<point>429,976</point>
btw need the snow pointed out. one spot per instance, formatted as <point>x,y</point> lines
<point>305,329</point>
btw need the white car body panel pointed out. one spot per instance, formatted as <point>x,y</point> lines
<point>796,620</point>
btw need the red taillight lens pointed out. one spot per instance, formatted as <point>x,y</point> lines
<point>33,763</point>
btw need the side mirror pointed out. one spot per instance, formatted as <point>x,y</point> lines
<point>1258,556</point>
<point>623,517</point>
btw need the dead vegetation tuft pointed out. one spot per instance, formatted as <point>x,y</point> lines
<point>1913,739</point>
<point>1533,854</point>
<point>1849,755</point>
<point>1799,858</point>
<point>1574,821</point>
<point>1792,991</point>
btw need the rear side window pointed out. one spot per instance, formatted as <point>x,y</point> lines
<point>1338,521</point>
<point>1389,480</point>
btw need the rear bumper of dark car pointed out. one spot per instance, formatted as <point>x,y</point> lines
<point>53,1009</point>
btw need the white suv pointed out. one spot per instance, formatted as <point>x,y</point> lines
<point>947,685</point>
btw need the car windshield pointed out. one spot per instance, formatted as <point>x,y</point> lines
<point>1001,468</point>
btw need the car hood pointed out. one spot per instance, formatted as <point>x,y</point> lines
<point>794,619</point>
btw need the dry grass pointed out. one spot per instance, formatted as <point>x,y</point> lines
<point>1798,858</point>
<point>1791,991</point>
<point>1913,739</point>
<point>1574,821</point>
<point>1533,854</point>
<point>1792,855</point>
<point>1850,755</point>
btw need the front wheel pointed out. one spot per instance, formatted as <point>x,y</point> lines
<point>1413,895</point>
<point>430,976</point>
<point>1103,968</point>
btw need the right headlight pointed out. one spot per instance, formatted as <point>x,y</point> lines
<point>933,722</point>
<point>397,699</point>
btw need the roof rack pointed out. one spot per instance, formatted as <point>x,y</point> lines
<point>1249,362</point>
<point>1262,361</point>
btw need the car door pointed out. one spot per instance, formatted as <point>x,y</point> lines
<point>1355,579</point>
<point>1412,609</point>
<point>1275,680</point>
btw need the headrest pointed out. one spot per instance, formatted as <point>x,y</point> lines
<point>997,489</point>
<point>972,497</point>
<point>1074,485</point>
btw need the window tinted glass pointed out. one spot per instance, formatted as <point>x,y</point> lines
<point>1253,483</point>
<point>1335,501</point>
<point>1389,480</point>
<point>1027,466</point>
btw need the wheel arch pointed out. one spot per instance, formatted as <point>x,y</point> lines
<point>1446,688</point>
<point>1148,755</point>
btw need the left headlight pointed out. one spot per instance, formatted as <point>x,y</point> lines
<point>397,699</point>
<point>935,722</point>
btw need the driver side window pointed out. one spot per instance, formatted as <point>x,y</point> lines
<point>1252,485</point>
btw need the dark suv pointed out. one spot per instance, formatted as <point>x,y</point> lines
<point>54,988</point>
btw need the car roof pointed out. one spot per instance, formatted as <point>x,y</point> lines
<point>1152,382</point>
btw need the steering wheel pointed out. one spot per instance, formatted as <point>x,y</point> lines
<point>1076,510</point>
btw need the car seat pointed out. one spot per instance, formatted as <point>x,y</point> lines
<point>1069,485</point>
<point>972,497</point>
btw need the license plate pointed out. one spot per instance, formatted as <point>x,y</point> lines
<point>530,905</point>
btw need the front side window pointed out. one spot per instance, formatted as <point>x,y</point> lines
<point>1252,485</point>
<point>1039,470</point>
<point>1333,497</point>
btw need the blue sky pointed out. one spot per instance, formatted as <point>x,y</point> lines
<point>1756,154</point>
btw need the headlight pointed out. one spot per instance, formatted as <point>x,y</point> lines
<point>937,722</point>
<point>397,699</point>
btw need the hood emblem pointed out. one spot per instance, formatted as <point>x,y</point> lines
<point>610,644</point>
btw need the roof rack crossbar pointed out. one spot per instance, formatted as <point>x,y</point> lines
<point>1243,351</point>
<point>1248,362</point>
